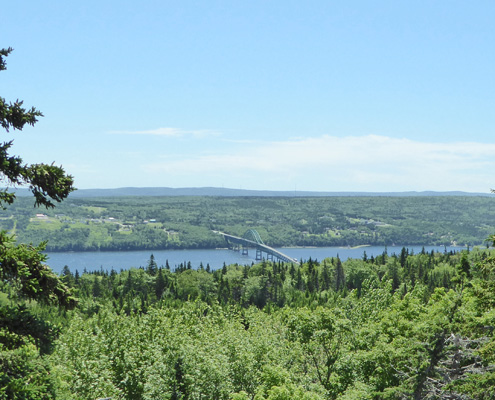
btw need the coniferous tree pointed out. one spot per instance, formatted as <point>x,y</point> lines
<point>339,276</point>
<point>325,276</point>
<point>283,271</point>
<point>152,267</point>
<point>464,267</point>
<point>128,286</point>
<point>394,275</point>
<point>22,266</point>
<point>97,287</point>
<point>48,183</point>
<point>160,284</point>
<point>299,280</point>
<point>403,257</point>
<point>67,276</point>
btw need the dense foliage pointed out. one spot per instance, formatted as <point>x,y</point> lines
<point>389,327</point>
<point>152,223</point>
<point>399,326</point>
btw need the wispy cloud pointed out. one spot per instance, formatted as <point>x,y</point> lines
<point>169,132</point>
<point>376,163</point>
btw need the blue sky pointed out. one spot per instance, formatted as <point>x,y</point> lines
<point>280,95</point>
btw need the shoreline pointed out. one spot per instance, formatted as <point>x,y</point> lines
<point>278,247</point>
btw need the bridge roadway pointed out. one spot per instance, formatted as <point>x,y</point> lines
<point>246,243</point>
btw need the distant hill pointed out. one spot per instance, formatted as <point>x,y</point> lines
<point>225,192</point>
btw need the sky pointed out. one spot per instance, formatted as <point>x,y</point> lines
<point>359,96</point>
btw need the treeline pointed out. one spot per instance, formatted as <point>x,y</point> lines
<point>396,326</point>
<point>106,237</point>
<point>267,284</point>
<point>149,223</point>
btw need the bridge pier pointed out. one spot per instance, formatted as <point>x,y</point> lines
<point>252,239</point>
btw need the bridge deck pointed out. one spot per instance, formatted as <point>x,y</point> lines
<point>263,247</point>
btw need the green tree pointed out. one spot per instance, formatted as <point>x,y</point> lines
<point>24,374</point>
<point>323,335</point>
<point>464,267</point>
<point>23,264</point>
<point>325,276</point>
<point>160,284</point>
<point>339,275</point>
<point>152,267</point>
<point>46,182</point>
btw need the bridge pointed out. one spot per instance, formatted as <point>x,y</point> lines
<point>252,240</point>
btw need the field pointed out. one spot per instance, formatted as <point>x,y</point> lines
<point>187,222</point>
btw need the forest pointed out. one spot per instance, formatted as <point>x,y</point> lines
<point>182,222</point>
<point>396,326</point>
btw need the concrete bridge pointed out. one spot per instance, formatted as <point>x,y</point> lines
<point>252,240</point>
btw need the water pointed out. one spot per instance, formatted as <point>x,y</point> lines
<point>118,260</point>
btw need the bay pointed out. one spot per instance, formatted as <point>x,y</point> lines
<point>215,258</point>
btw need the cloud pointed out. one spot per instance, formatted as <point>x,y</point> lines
<point>372,162</point>
<point>169,132</point>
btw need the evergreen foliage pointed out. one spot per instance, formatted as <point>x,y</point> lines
<point>256,332</point>
<point>24,336</point>
<point>407,326</point>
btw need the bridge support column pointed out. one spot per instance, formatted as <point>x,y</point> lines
<point>244,251</point>
<point>259,255</point>
<point>269,256</point>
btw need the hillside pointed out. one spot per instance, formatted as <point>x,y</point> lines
<point>186,222</point>
<point>226,192</point>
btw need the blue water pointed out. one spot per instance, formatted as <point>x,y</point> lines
<point>118,260</point>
